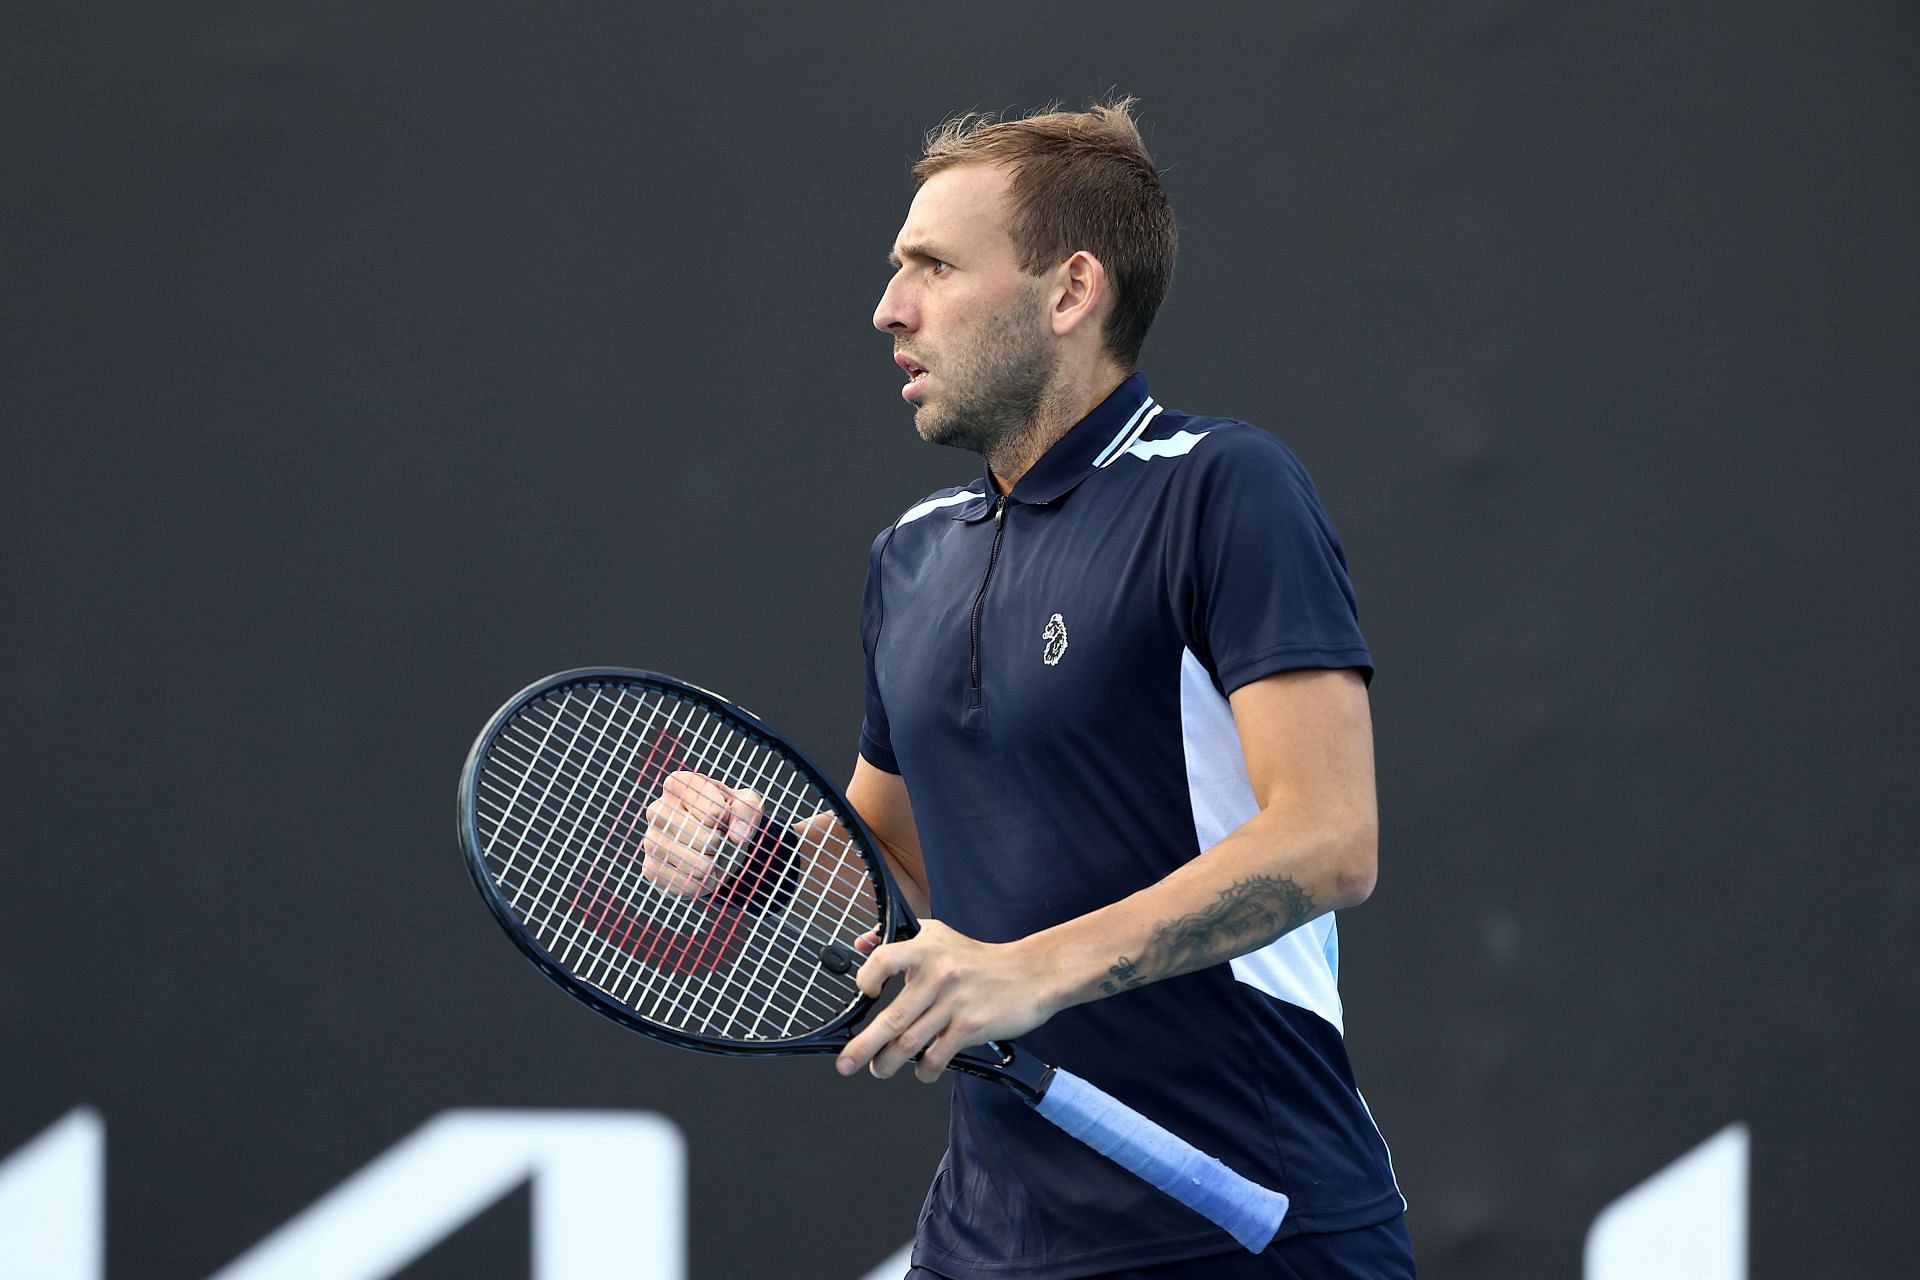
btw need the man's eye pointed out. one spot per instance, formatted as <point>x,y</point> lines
<point>940,268</point>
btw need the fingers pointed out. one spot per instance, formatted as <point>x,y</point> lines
<point>929,1043</point>
<point>915,1025</point>
<point>686,828</point>
<point>882,963</point>
<point>894,1020</point>
<point>676,878</point>
<point>958,992</point>
<point>934,1059</point>
<point>693,808</point>
<point>697,802</point>
<point>672,856</point>
<point>908,1045</point>
<point>743,815</point>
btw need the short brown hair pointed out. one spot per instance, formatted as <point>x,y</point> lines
<point>1080,180</point>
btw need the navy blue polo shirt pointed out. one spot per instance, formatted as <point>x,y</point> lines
<point>1049,673</point>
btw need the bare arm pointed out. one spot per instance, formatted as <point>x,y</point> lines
<point>880,798</point>
<point>1312,847</point>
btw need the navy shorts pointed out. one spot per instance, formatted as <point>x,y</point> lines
<point>1381,1252</point>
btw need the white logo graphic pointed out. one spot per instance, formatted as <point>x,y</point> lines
<point>1056,637</point>
<point>588,1169</point>
<point>53,1198</point>
<point>1687,1222</point>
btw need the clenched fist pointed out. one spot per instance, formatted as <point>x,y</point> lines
<point>694,830</point>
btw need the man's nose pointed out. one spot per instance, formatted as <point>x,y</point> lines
<point>896,313</point>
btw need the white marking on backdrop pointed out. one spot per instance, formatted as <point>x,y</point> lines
<point>1687,1222</point>
<point>53,1202</point>
<point>589,1169</point>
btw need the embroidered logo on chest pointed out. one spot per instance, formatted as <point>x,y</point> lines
<point>1054,637</point>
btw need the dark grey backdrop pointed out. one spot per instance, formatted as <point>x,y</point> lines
<point>364,361</point>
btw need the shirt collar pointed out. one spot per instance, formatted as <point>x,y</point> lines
<point>1089,444</point>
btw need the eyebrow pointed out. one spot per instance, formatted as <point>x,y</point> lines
<point>911,251</point>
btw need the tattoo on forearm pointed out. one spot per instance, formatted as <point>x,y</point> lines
<point>1249,915</point>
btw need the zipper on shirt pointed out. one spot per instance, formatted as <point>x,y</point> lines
<point>999,526</point>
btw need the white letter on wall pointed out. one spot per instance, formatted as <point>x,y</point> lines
<point>1687,1222</point>
<point>53,1202</point>
<point>609,1199</point>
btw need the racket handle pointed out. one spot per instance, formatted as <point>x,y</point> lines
<point>1249,1212</point>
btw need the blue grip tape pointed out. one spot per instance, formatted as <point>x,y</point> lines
<point>1248,1211</point>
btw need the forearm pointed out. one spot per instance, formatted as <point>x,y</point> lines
<point>1272,875</point>
<point>909,876</point>
<point>831,857</point>
<point>1306,737</point>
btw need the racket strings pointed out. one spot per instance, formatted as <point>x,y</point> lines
<point>691,1006</point>
<point>722,756</point>
<point>560,804</point>
<point>683,905</point>
<point>685,999</point>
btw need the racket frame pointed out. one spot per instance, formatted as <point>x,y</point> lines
<point>999,1062</point>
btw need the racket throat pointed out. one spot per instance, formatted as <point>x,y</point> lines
<point>1003,1063</point>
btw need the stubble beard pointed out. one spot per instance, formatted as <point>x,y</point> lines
<point>999,396</point>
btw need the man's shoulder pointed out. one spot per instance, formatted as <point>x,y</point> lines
<point>948,502</point>
<point>943,500</point>
<point>1206,446</point>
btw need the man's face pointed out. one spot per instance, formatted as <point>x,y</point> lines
<point>967,323</point>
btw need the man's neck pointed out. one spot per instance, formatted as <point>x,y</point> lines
<point>1058,413</point>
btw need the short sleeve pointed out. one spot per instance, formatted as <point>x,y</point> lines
<point>876,737</point>
<point>1261,583</point>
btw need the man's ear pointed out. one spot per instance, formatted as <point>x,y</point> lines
<point>1079,294</point>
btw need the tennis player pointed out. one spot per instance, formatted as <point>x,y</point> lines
<point>1117,744</point>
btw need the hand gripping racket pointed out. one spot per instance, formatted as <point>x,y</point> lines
<point>552,809</point>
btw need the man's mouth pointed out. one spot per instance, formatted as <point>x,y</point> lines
<point>914,370</point>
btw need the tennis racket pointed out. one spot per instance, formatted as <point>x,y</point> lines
<point>552,807</point>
